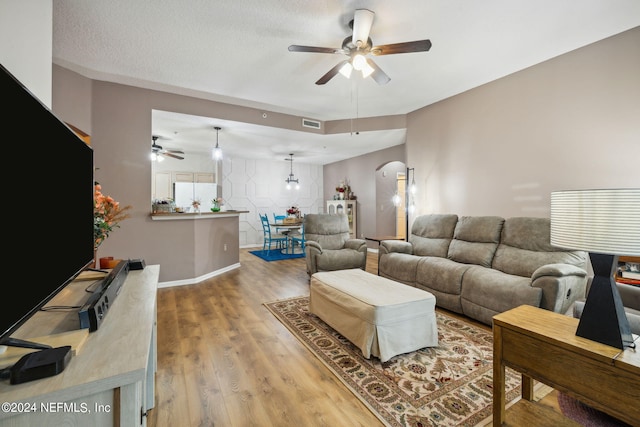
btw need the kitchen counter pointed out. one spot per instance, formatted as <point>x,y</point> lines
<point>193,216</point>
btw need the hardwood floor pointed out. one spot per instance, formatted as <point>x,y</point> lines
<point>225,360</point>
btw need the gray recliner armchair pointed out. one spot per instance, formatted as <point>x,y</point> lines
<point>329,246</point>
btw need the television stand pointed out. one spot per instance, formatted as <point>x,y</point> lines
<point>112,373</point>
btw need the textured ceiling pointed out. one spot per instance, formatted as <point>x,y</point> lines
<point>236,52</point>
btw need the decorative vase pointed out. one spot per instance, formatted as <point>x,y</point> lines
<point>341,195</point>
<point>215,207</point>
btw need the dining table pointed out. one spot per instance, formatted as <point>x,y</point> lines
<point>287,230</point>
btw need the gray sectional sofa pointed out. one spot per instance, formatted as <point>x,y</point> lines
<point>480,266</point>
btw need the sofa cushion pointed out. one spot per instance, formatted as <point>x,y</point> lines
<point>431,234</point>
<point>340,259</point>
<point>487,292</point>
<point>400,267</point>
<point>443,278</point>
<point>476,239</point>
<point>525,246</point>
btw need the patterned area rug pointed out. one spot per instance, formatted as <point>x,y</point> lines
<point>449,385</point>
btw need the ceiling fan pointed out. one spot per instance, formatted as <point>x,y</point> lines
<point>157,152</point>
<point>358,46</point>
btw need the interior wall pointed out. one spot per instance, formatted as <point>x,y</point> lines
<point>27,26</point>
<point>360,172</point>
<point>259,187</point>
<point>569,123</point>
<point>121,139</point>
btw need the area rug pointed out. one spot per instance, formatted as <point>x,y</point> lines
<point>448,385</point>
<point>275,255</point>
<point>584,414</point>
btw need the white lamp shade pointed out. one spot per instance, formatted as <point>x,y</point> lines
<point>359,62</point>
<point>346,69</point>
<point>367,69</point>
<point>601,221</point>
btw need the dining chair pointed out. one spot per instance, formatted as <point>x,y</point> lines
<point>298,239</point>
<point>269,238</point>
<point>279,219</point>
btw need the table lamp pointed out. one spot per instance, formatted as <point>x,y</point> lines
<point>606,223</point>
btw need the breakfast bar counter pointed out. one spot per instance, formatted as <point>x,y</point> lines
<point>173,216</point>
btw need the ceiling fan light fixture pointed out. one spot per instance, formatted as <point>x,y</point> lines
<point>358,45</point>
<point>346,69</point>
<point>367,70</point>
<point>359,62</point>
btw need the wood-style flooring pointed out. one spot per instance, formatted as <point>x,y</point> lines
<point>225,360</point>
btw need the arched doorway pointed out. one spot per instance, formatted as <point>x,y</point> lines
<point>390,185</point>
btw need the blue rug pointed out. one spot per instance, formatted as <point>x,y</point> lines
<point>275,255</point>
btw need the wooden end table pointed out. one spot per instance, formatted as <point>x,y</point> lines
<point>542,345</point>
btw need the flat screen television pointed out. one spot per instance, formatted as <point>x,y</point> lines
<point>48,204</point>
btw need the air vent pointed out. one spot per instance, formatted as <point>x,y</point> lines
<point>308,123</point>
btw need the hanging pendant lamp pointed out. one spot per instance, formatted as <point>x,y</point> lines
<point>217,151</point>
<point>290,179</point>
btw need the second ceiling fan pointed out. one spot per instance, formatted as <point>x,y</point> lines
<point>358,46</point>
<point>157,152</point>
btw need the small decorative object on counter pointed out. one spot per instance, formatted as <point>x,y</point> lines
<point>196,205</point>
<point>163,206</point>
<point>216,204</point>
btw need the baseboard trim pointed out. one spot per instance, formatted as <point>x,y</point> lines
<point>197,280</point>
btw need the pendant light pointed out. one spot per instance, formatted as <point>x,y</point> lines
<point>291,178</point>
<point>217,152</point>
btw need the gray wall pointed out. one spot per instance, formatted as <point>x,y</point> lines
<point>572,122</point>
<point>120,128</point>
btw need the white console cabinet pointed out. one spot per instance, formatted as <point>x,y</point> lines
<point>348,207</point>
<point>110,379</point>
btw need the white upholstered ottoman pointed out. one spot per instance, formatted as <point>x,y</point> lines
<point>382,317</point>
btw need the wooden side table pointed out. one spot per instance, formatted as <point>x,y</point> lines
<point>542,345</point>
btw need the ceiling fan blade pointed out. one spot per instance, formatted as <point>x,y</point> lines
<point>407,47</point>
<point>362,21</point>
<point>314,49</point>
<point>378,75</point>
<point>174,151</point>
<point>173,155</point>
<point>331,73</point>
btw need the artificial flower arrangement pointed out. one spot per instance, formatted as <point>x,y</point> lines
<point>196,204</point>
<point>343,189</point>
<point>107,215</point>
<point>217,202</point>
<point>293,211</point>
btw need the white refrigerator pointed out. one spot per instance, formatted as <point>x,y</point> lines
<point>184,193</point>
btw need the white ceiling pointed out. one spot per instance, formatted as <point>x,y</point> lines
<point>236,52</point>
